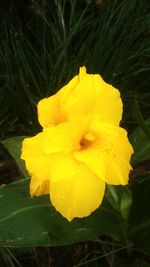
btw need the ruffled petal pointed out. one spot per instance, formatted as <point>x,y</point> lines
<point>85,95</point>
<point>51,110</point>
<point>38,164</point>
<point>75,190</point>
<point>109,154</point>
<point>94,98</point>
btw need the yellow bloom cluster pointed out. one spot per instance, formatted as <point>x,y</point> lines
<point>81,147</point>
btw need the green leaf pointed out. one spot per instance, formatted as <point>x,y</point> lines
<point>139,231</point>
<point>26,221</point>
<point>141,144</point>
<point>13,145</point>
<point>139,117</point>
<point>120,198</point>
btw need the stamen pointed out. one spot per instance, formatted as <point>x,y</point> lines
<point>87,140</point>
<point>89,137</point>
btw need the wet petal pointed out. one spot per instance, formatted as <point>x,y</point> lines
<point>75,190</point>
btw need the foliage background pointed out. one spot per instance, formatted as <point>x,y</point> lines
<point>43,43</point>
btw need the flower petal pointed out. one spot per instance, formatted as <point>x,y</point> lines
<point>50,110</point>
<point>38,164</point>
<point>85,95</point>
<point>95,98</point>
<point>109,155</point>
<point>75,191</point>
<point>39,187</point>
<point>64,137</point>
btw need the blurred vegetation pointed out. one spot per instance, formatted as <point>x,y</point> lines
<point>43,43</point>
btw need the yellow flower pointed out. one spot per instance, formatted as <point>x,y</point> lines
<point>81,147</point>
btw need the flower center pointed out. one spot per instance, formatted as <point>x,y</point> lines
<point>87,140</point>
